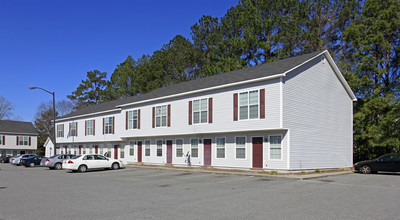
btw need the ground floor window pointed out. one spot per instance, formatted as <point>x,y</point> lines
<point>84,150</point>
<point>159,148</point>
<point>131,148</point>
<point>220,147</point>
<point>240,147</point>
<point>275,147</point>
<point>101,150</point>
<point>194,148</point>
<point>122,152</point>
<point>179,148</point>
<point>147,148</point>
<point>109,152</point>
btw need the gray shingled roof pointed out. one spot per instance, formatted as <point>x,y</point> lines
<point>259,71</point>
<point>18,127</point>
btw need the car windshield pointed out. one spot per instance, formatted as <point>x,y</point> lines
<point>76,157</point>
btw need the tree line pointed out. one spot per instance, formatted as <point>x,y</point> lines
<point>362,36</point>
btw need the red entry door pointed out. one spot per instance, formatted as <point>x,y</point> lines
<point>207,152</point>
<point>96,149</point>
<point>257,152</point>
<point>139,151</point>
<point>115,151</point>
<point>169,152</point>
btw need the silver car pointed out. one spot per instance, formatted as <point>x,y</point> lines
<point>17,159</point>
<point>55,162</point>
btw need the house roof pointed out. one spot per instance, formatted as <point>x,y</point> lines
<point>17,127</point>
<point>265,70</point>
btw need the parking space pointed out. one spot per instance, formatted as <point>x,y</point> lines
<point>139,193</point>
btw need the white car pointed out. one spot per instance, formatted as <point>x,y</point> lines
<point>85,162</point>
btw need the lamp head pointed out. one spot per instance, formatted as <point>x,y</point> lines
<point>32,88</point>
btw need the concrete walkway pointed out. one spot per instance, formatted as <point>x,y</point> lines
<point>246,172</point>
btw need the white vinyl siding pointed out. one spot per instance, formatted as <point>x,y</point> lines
<point>89,127</point>
<point>220,147</point>
<point>200,111</point>
<point>275,148</point>
<point>108,125</point>
<point>179,148</point>
<point>147,148</point>
<point>194,148</point>
<point>240,147</point>
<point>248,105</point>
<point>161,116</point>
<point>133,119</point>
<point>159,148</point>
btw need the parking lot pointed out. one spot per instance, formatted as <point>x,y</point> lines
<point>140,193</point>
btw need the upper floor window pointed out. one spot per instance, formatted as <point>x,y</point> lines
<point>248,105</point>
<point>60,130</point>
<point>161,116</point>
<point>73,130</point>
<point>133,119</point>
<point>23,140</point>
<point>200,111</point>
<point>108,125</point>
<point>89,127</point>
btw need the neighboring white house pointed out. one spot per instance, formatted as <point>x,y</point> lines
<point>292,114</point>
<point>17,137</point>
<point>49,148</point>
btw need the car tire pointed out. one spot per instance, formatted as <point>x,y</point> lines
<point>365,169</point>
<point>58,166</point>
<point>82,168</point>
<point>32,164</point>
<point>115,166</point>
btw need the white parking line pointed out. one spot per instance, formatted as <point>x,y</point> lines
<point>354,185</point>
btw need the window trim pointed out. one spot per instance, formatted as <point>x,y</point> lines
<point>175,147</point>
<point>160,116</point>
<point>132,147</point>
<point>60,130</point>
<point>132,120</point>
<point>162,145</point>
<point>245,148</point>
<point>76,129</point>
<point>269,147</point>
<point>87,127</point>
<point>248,104</point>
<point>109,125</point>
<point>207,109</point>
<point>198,143</point>
<point>144,143</point>
<point>216,148</point>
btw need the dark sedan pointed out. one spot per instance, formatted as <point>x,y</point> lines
<point>5,159</point>
<point>387,162</point>
<point>31,161</point>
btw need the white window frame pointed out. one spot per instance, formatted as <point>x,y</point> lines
<point>101,150</point>
<point>269,147</point>
<point>200,111</point>
<point>23,140</point>
<point>159,148</point>
<point>245,148</point>
<point>216,148</point>
<point>109,152</point>
<point>1,139</point>
<point>122,152</point>
<point>108,125</point>
<point>248,105</point>
<point>147,147</point>
<point>160,115</point>
<point>89,127</point>
<point>191,147</point>
<point>60,130</point>
<point>73,129</point>
<point>131,148</point>
<point>176,147</point>
<point>132,117</point>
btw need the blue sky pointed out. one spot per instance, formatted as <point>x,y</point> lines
<point>53,43</point>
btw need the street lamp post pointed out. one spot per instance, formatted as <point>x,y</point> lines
<point>54,115</point>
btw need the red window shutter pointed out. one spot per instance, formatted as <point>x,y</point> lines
<point>262,103</point>
<point>4,140</point>
<point>126,121</point>
<point>29,141</point>
<point>113,124</point>
<point>210,109</point>
<point>104,124</point>
<point>169,115</point>
<point>85,127</point>
<point>94,127</point>
<point>17,140</point>
<point>154,117</point>
<point>138,118</point>
<point>235,107</point>
<point>190,112</point>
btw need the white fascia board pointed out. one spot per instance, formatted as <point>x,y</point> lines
<point>86,115</point>
<point>204,90</point>
<point>15,133</point>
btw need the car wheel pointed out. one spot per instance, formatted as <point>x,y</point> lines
<point>365,169</point>
<point>82,168</point>
<point>58,166</point>
<point>115,166</point>
<point>32,164</point>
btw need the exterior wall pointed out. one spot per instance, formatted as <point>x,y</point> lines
<point>317,110</point>
<point>11,148</point>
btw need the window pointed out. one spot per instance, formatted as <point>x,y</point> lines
<point>200,111</point>
<point>1,139</point>
<point>275,147</point>
<point>195,148</point>
<point>75,149</point>
<point>73,129</point>
<point>161,116</point>
<point>248,105</point>
<point>60,130</point>
<point>122,152</point>
<point>108,125</point>
<point>147,148</point>
<point>240,147</point>
<point>131,148</point>
<point>390,157</point>
<point>89,127</point>
<point>84,149</point>
<point>179,148</point>
<point>159,148</point>
<point>133,119</point>
<point>109,152</point>
<point>101,150</point>
<point>220,147</point>
<point>23,140</point>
